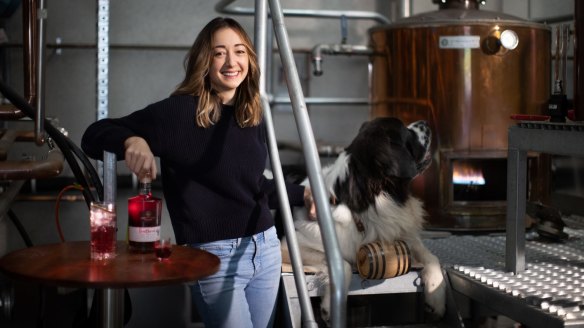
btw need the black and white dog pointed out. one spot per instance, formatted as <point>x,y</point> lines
<point>370,183</point>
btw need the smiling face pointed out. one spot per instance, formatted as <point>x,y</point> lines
<point>229,65</point>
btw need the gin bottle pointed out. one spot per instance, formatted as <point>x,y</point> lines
<point>144,218</point>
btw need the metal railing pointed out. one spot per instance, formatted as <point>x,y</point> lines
<point>332,251</point>
<point>224,7</point>
<point>260,35</point>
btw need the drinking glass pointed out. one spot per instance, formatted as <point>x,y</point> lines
<point>163,248</point>
<point>102,223</point>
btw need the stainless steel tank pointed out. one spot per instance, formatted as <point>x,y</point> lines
<point>466,71</point>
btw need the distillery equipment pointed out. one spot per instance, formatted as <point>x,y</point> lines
<point>466,71</point>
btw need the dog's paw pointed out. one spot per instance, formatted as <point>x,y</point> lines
<point>435,302</point>
<point>434,291</point>
<point>325,314</point>
<point>325,310</point>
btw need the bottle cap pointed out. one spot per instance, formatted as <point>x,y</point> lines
<point>145,177</point>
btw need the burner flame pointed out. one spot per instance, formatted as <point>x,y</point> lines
<point>467,174</point>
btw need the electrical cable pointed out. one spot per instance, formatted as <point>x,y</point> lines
<point>92,172</point>
<point>93,175</point>
<point>58,206</point>
<point>68,148</point>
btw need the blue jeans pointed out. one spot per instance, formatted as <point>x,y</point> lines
<point>243,292</point>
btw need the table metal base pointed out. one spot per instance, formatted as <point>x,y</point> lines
<point>111,307</point>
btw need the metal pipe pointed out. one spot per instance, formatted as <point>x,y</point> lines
<point>109,177</point>
<point>111,307</point>
<point>221,7</point>
<point>288,222</point>
<point>322,101</point>
<point>405,8</point>
<point>269,58</point>
<point>578,60</point>
<point>336,49</point>
<point>27,169</point>
<point>29,35</point>
<point>261,27</point>
<point>39,119</point>
<point>260,32</point>
<point>516,195</point>
<point>370,86</point>
<point>331,246</point>
<point>9,112</point>
<point>120,46</point>
<point>8,195</point>
<point>8,138</point>
<point>327,150</point>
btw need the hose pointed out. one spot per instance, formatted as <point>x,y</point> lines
<point>69,149</point>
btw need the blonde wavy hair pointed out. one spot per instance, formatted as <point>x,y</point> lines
<point>248,111</point>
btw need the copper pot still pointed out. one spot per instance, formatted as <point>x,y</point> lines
<point>466,71</point>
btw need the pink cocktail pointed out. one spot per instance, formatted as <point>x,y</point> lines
<point>102,221</point>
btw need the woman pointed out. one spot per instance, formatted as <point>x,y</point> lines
<point>211,143</point>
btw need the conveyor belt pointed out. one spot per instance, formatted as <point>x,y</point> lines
<point>549,293</point>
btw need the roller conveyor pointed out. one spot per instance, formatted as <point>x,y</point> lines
<point>549,293</point>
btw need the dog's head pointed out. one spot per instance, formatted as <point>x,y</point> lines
<point>384,156</point>
<point>386,147</point>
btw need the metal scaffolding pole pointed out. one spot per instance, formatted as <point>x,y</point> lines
<point>331,246</point>
<point>261,27</point>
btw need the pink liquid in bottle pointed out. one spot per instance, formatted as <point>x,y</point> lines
<point>144,218</point>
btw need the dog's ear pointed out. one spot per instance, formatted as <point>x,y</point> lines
<point>386,145</point>
<point>421,134</point>
<point>405,164</point>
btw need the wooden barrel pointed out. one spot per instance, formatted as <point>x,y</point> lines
<point>382,260</point>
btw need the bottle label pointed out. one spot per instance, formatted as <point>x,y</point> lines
<point>144,234</point>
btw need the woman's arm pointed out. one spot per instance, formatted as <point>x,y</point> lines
<point>129,137</point>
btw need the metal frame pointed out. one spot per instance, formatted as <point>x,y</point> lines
<point>558,139</point>
<point>111,300</point>
<point>261,19</point>
<point>333,254</point>
<point>39,120</point>
<point>338,299</point>
<point>223,7</point>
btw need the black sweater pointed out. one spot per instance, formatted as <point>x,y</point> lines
<point>212,178</point>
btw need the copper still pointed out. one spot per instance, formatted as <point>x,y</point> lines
<point>466,71</point>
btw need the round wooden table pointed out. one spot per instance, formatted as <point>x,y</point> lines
<point>68,265</point>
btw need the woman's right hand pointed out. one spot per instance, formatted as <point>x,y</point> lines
<point>139,158</point>
<point>309,203</point>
